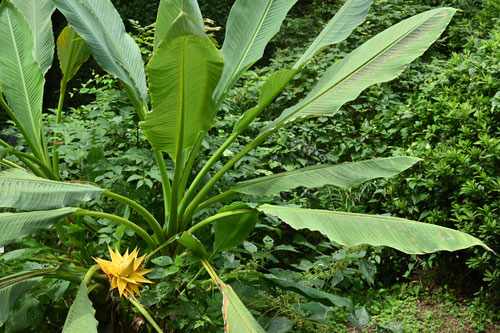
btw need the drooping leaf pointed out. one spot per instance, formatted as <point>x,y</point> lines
<point>232,231</point>
<point>14,226</point>
<point>38,13</point>
<point>354,229</point>
<point>24,191</point>
<point>98,22</point>
<point>349,16</point>
<point>192,243</point>
<point>343,175</point>
<point>72,51</point>
<point>250,26</point>
<point>21,77</point>
<point>237,318</point>
<point>380,59</point>
<point>11,292</point>
<point>183,73</point>
<point>310,292</point>
<point>80,317</point>
<point>169,10</point>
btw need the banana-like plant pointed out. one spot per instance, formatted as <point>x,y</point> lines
<point>176,96</point>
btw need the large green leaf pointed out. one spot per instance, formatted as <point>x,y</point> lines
<point>354,229</point>
<point>22,190</point>
<point>237,318</point>
<point>38,13</point>
<point>72,51</point>
<point>80,317</point>
<point>232,231</point>
<point>169,10</point>
<point>352,13</point>
<point>14,226</point>
<point>343,175</point>
<point>11,291</point>
<point>183,73</point>
<point>380,59</point>
<point>21,77</point>
<point>98,22</point>
<point>349,16</point>
<point>250,26</point>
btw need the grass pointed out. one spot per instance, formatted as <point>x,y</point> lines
<point>409,310</point>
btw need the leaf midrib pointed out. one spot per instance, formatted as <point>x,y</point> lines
<point>354,72</point>
<point>229,300</point>
<point>364,216</point>
<point>247,50</point>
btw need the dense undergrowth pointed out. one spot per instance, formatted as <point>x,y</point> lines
<point>442,109</point>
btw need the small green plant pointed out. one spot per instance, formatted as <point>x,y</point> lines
<point>189,79</point>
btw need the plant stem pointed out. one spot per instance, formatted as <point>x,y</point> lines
<point>89,273</point>
<point>62,94</point>
<point>211,272</point>
<point>215,199</point>
<point>189,164</point>
<point>159,248</point>
<point>150,219</point>
<point>145,313</point>
<point>191,281</point>
<point>45,148</point>
<point>205,189</point>
<point>20,155</point>
<point>165,181</point>
<point>203,172</point>
<point>143,234</point>
<point>43,167</point>
<point>219,216</point>
<point>173,223</point>
<point>10,164</point>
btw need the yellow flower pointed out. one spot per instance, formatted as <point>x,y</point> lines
<point>125,272</point>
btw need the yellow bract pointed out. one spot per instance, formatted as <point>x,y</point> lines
<point>125,272</point>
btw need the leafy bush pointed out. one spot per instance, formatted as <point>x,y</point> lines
<point>456,133</point>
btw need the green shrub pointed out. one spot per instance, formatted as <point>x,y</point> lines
<point>453,124</point>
